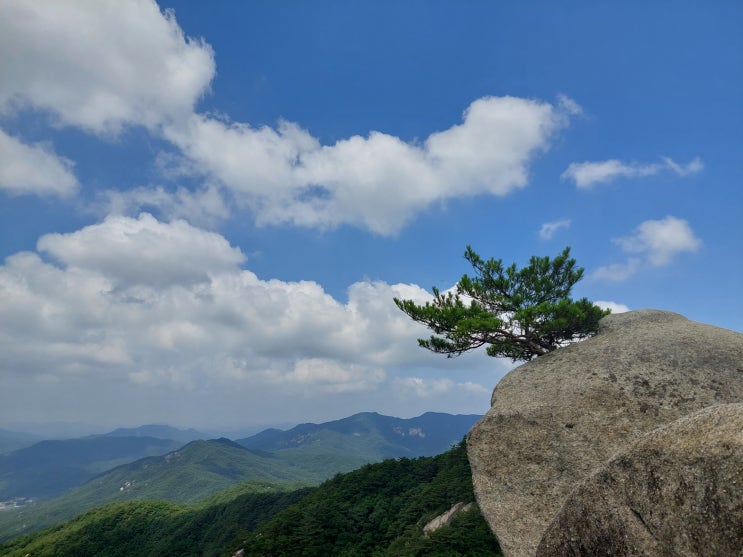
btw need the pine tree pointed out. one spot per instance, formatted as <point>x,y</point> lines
<point>517,313</point>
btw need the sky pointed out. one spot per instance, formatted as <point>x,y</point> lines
<point>207,208</point>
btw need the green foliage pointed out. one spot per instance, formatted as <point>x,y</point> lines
<point>517,313</point>
<point>145,528</point>
<point>50,467</point>
<point>187,475</point>
<point>380,509</point>
<point>468,534</point>
<point>202,468</point>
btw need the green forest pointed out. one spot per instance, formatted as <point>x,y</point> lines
<point>379,509</point>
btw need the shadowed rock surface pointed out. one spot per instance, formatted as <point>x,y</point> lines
<point>557,419</point>
<point>677,491</point>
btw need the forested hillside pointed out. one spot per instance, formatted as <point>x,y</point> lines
<point>187,475</point>
<point>379,509</point>
<point>307,454</point>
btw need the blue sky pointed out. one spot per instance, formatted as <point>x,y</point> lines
<point>207,208</point>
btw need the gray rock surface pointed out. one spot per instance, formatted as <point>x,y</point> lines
<point>677,491</point>
<point>557,419</point>
<point>444,519</point>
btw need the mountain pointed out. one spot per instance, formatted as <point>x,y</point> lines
<point>160,432</point>
<point>145,528</point>
<point>368,436</point>
<point>307,454</point>
<point>50,467</point>
<point>13,440</point>
<point>380,509</point>
<point>189,474</point>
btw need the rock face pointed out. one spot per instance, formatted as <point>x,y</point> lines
<point>677,491</point>
<point>445,519</point>
<point>557,419</point>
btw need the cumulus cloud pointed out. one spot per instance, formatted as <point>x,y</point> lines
<point>133,65</point>
<point>144,251</point>
<point>585,175</point>
<point>655,242</point>
<point>548,229</point>
<point>145,302</point>
<point>378,182</point>
<point>34,169</point>
<point>660,240</point>
<point>100,65</point>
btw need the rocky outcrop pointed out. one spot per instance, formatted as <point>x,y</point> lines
<point>444,519</point>
<point>555,420</point>
<point>677,491</point>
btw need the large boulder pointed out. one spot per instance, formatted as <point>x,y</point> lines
<point>557,419</point>
<point>677,491</point>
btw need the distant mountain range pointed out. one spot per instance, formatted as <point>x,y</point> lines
<point>160,432</point>
<point>186,475</point>
<point>369,436</point>
<point>113,469</point>
<point>13,440</point>
<point>50,467</point>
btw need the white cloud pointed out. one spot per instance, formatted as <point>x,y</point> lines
<point>421,387</point>
<point>144,251</point>
<point>328,375</point>
<point>26,169</point>
<point>143,302</point>
<point>569,105</point>
<point>133,65</point>
<point>655,242</point>
<point>613,306</point>
<point>203,207</point>
<point>617,272</point>
<point>587,174</point>
<point>100,65</point>
<point>378,182</point>
<point>692,167</point>
<point>660,240</point>
<point>548,229</point>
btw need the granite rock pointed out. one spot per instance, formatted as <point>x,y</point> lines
<point>556,420</point>
<point>677,491</point>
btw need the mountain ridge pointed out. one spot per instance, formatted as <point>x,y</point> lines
<point>49,467</point>
<point>186,473</point>
<point>158,431</point>
<point>380,509</point>
<point>425,435</point>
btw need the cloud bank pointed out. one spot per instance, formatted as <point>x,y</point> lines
<point>135,317</point>
<point>167,307</point>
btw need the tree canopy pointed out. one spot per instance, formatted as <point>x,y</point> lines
<point>518,313</point>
